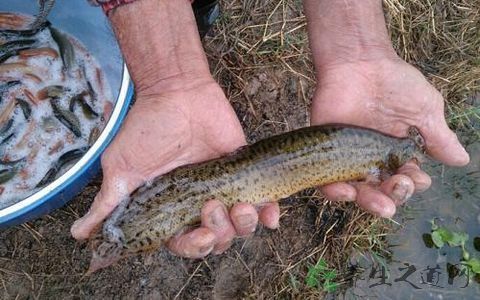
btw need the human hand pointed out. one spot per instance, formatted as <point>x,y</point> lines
<point>181,116</point>
<point>189,123</point>
<point>361,81</point>
<point>388,95</point>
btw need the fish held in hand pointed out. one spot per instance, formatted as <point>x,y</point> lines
<point>270,169</point>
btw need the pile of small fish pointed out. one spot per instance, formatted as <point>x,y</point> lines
<point>53,104</point>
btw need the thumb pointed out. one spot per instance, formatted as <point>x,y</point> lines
<point>443,144</point>
<point>109,196</point>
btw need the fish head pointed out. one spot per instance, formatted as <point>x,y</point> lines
<point>104,254</point>
<point>412,147</point>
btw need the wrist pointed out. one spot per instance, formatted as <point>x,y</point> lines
<point>160,42</point>
<point>345,31</point>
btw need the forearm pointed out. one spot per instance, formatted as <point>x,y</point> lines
<point>347,30</point>
<point>160,43</point>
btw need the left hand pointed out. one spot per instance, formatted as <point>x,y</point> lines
<point>190,121</point>
<point>388,95</point>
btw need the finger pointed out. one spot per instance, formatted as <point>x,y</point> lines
<point>399,188</point>
<point>421,179</point>
<point>220,248</point>
<point>340,191</point>
<point>215,217</point>
<point>244,218</point>
<point>269,215</point>
<point>195,244</point>
<point>110,194</point>
<point>443,145</point>
<point>375,201</point>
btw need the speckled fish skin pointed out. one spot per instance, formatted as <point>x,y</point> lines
<point>270,169</point>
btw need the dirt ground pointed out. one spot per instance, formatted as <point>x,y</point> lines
<point>41,261</point>
<point>261,59</point>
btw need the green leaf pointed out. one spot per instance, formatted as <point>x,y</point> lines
<point>446,234</point>
<point>474,264</point>
<point>329,275</point>
<point>311,280</point>
<point>457,239</point>
<point>326,275</point>
<point>464,237</point>
<point>330,286</point>
<point>321,265</point>
<point>437,239</point>
<point>465,254</point>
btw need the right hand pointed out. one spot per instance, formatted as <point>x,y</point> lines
<point>188,123</point>
<point>390,96</point>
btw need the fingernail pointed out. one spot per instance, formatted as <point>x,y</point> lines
<point>221,248</point>
<point>275,225</point>
<point>384,211</point>
<point>343,198</point>
<point>387,211</point>
<point>218,217</point>
<point>78,223</point>
<point>245,221</point>
<point>465,154</point>
<point>205,250</point>
<point>75,225</point>
<point>401,192</point>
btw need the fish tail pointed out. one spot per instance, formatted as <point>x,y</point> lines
<point>45,8</point>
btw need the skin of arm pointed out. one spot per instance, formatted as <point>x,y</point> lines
<point>160,43</point>
<point>347,31</point>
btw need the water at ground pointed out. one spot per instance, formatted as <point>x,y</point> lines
<point>414,270</point>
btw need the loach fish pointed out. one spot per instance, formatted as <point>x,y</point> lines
<point>38,24</point>
<point>41,18</point>
<point>9,169</point>
<point>270,169</point>
<point>65,46</point>
<point>87,110</point>
<point>64,160</point>
<point>12,48</point>
<point>66,117</point>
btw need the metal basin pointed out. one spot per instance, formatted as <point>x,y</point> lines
<point>91,27</point>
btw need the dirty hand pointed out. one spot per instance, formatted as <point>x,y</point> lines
<point>388,95</point>
<point>186,125</point>
<point>361,81</point>
<point>181,116</point>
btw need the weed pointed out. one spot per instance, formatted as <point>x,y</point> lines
<point>293,282</point>
<point>321,276</point>
<point>442,235</point>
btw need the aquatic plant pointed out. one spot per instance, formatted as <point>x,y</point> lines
<point>441,235</point>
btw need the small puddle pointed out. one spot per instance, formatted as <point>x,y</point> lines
<point>416,271</point>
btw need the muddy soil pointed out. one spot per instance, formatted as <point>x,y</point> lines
<point>41,261</point>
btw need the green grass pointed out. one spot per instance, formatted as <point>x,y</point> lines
<point>322,277</point>
<point>462,115</point>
